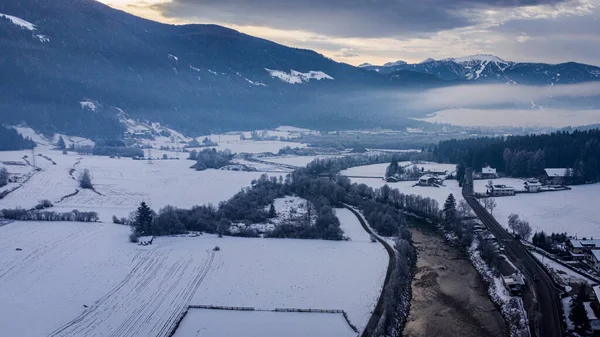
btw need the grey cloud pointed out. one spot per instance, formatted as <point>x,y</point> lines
<point>347,52</point>
<point>342,18</point>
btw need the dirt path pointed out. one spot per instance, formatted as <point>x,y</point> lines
<point>449,298</point>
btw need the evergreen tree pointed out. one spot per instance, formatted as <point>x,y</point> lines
<point>449,211</point>
<point>61,143</point>
<point>143,220</point>
<point>272,212</point>
<point>392,169</point>
<point>578,313</point>
<point>3,176</point>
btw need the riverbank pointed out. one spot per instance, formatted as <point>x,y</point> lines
<point>448,295</point>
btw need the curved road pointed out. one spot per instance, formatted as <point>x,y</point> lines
<point>378,311</point>
<point>539,297</point>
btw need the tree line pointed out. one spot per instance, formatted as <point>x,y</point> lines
<point>527,156</point>
<point>38,215</point>
<point>11,140</point>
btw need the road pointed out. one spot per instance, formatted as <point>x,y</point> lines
<point>378,311</point>
<point>539,297</point>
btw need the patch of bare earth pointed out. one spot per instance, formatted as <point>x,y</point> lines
<point>449,298</point>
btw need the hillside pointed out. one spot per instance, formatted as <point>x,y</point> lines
<point>74,65</point>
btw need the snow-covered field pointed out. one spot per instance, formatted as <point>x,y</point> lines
<point>203,322</point>
<point>122,184</point>
<point>407,187</point>
<point>574,211</point>
<point>86,279</point>
<point>283,273</point>
<point>299,161</point>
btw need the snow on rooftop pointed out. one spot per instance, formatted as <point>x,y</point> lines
<point>19,22</point>
<point>556,172</point>
<point>296,77</point>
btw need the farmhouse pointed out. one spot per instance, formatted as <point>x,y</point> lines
<point>500,190</point>
<point>532,185</point>
<point>429,180</point>
<point>558,176</point>
<point>488,172</point>
<point>391,179</point>
<point>582,249</point>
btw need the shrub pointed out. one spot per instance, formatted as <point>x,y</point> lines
<point>133,238</point>
<point>43,204</point>
<point>85,180</point>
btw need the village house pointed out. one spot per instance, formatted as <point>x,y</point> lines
<point>488,172</point>
<point>429,180</point>
<point>582,249</point>
<point>558,176</point>
<point>532,185</point>
<point>500,190</point>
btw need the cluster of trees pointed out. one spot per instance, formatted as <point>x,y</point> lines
<point>397,292</point>
<point>210,158</point>
<point>332,166</point>
<point>519,226</point>
<point>394,169</point>
<point>11,140</point>
<point>553,243</point>
<point>115,148</point>
<point>206,142</point>
<point>296,151</point>
<point>453,220</point>
<point>36,215</point>
<point>527,156</point>
<point>3,176</point>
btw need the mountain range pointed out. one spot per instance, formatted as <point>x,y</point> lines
<point>492,69</point>
<point>78,67</point>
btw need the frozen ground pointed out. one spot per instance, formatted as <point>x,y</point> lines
<point>574,211</point>
<point>299,161</point>
<point>233,142</point>
<point>122,183</point>
<point>75,279</point>
<point>305,274</point>
<point>222,323</point>
<point>86,279</point>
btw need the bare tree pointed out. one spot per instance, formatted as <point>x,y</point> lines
<point>524,229</point>
<point>490,204</point>
<point>463,209</point>
<point>513,221</point>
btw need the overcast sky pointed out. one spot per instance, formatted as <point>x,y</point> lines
<point>379,31</point>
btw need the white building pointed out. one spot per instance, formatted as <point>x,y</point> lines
<point>532,185</point>
<point>500,190</point>
<point>488,172</point>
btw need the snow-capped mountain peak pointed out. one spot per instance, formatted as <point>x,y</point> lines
<point>364,65</point>
<point>394,64</point>
<point>428,60</point>
<point>477,58</point>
